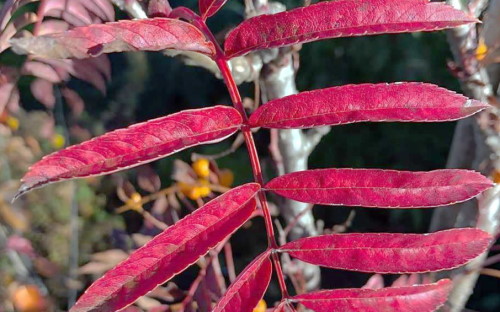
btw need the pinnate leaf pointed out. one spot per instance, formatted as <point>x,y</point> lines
<point>391,253</point>
<point>421,298</point>
<point>136,145</point>
<point>153,34</point>
<point>246,291</point>
<point>170,252</point>
<point>210,7</point>
<point>341,18</point>
<point>380,188</point>
<point>415,102</point>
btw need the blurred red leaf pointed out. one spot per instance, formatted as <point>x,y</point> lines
<point>391,253</point>
<point>170,252</point>
<point>153,34</point>
<point>74,12</point>
<point>376,281</point>
<point>148,179</point>
<point>422,298</point>
<point>159,8</point>
<point>380,188</point>
<point>8,88</point>
<point>135,145</point>
<point>416,102</point>
<point>73,100</point>
<point>20,245</point>
<point>248,288</point>
<point>341,18</point>
<point>43,91</point>
<point>41,70</point>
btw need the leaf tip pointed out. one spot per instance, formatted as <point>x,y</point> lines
<point>23,189</point>
<point>476,105</point>
<point>95,50</point>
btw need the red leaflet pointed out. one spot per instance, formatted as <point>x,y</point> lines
<point>210,7</point>
<point>391,253</point>
<point>412,101</point>
<point>153,34</point>
<point>380,188</point>
<point>244,294</point>
<point>422,298</point>
<point>135,145</point>
<point>170,252</point>
<point>341,18</point>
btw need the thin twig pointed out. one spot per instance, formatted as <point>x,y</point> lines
<point>228,254</point>
<point>201,275</point>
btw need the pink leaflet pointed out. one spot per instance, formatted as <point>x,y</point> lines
<point>380,188</point>
<point>210,7</point>
<point>341,18</point>
<point>170,252</point>
<point>410,101</point>
<point>421,298</point>
<point>152,34</point>
<point>246,291</point>
<point>138,144</point>
<point>391,253</point>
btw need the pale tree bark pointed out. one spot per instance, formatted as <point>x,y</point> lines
<point>476,145</point>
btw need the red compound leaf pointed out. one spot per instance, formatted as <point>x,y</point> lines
<point>170,252</point>
<point>422,298</point>
<point>135,145</point>
<point>380,188</point>
<point>341,18</point>
<point>391,253</point>
<point>404,102</point>
<point>153,34</point>
<point>244,294</point>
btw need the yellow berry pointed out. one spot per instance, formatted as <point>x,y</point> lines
<point>481,50</point>
<point>226,177</point>
<point>12,122</point>
<point>203,191</point>
<point>193,194</point>
<point>57,141</point>
<point>184,187</point>
<point>134,202</point>
<point>261,306</point>
<point>196,191</point>
<point>202,167</point>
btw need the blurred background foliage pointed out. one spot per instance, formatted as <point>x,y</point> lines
<point>149,85</point>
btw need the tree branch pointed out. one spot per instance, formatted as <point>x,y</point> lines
<point>476,145</point>
<point>277,80</point>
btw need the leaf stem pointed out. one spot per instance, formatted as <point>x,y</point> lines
<point>222,63</point>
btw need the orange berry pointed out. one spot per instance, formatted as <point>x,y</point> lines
<point>28,298</point>
<point>496,176</point>
<point>201,167</point>
<point>226,177</point>
<point>261,306</point>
